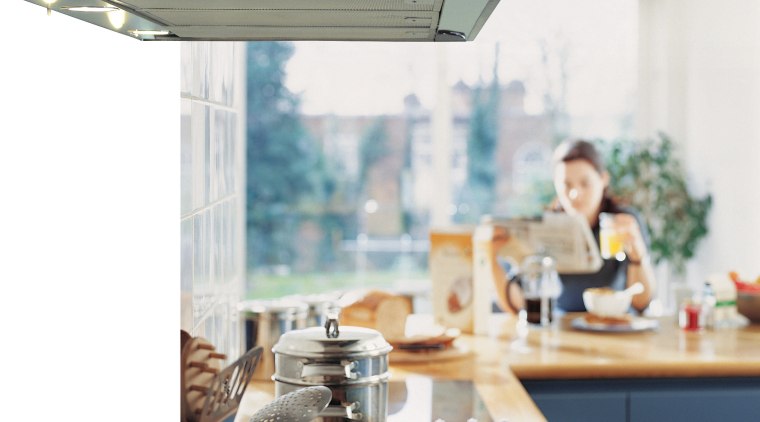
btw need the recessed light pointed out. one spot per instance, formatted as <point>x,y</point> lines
<point>137,32</point>
<point>117,18</point>
<point>90,9</point>
<point>49,3</point>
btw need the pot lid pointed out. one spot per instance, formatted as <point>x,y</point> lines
<point>332,341</point>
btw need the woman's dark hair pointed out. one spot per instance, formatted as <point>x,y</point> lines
<point>578,149</point>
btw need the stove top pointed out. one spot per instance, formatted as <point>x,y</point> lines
<point>425,399</point>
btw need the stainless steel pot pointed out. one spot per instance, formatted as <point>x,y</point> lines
<point>351,361</point>
<point>320,306</point>
<point>265,322</point>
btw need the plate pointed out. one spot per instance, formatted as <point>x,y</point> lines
<point>455,351</point>
<point>636,324</point>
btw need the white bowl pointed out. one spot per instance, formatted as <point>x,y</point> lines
<point>606,302</point>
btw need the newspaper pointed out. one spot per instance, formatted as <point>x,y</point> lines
<point>567,238</point>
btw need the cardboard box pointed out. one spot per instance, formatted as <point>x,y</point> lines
<point>451,266</point>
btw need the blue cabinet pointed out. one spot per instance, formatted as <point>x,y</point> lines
<point>702,405</point>
<point>647,400</point>
<point>596,407</point>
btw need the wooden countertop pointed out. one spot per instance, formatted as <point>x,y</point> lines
<point>500,360</point>
<point>562,352</point>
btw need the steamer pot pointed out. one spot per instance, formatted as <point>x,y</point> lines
<point>320,307</point>
<point>265,321</point>
<point>351,361</point>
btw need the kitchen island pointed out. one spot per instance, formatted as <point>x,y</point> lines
<point>530,376</point>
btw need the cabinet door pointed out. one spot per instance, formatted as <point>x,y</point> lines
<point>582,407</point>
<point>695,406</point>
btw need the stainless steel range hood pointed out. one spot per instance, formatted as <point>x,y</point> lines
<point>252,20</point>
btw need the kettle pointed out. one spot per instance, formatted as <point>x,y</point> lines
<point>539,283</point>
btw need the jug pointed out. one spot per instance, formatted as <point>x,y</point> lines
<point>539,282</point>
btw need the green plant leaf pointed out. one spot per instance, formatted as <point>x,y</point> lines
<point>650,175</point>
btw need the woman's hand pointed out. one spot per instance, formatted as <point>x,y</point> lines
<point>500,237</point>
<point>639,269</point>
<point>634,244</point>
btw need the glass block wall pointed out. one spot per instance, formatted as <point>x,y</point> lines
<point>213,191</point>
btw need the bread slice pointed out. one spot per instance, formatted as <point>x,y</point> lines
<point>382,311</point>
<point>608,320</point>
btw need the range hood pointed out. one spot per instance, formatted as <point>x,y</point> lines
<point>269,20</point>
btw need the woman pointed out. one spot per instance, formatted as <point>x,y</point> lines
<point>581,183</point>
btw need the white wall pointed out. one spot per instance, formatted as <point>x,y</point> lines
<point>89,188</point>
<point>700,83</point>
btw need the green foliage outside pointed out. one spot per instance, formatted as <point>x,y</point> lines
<point>479,190</point>
<point>536,200</point>
<point>650,175</point>
<point>270,286</point>
<point>373,147</point>
<point>287,176</point>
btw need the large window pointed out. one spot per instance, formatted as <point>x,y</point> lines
<point>355,150</point>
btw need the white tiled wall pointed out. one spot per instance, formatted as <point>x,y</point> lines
<point>213,191</point>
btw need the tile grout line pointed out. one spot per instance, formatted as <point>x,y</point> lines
<point>209,206</point>
<point>209,102</point>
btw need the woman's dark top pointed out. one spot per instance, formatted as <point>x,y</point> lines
<point>612,274</point>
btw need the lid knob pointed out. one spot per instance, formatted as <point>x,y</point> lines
<point>332,322</point>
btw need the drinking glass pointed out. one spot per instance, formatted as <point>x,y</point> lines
<point>610,240</point>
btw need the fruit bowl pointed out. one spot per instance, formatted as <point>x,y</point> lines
<point>747,297</point>
<point>748,304</point>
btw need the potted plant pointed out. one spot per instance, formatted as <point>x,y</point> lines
<point>649,175</point>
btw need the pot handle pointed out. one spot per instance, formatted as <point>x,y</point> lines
<point>345,369</point>
<point>344,410</point>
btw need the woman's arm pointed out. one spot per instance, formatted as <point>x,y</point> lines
<point>639,267</point>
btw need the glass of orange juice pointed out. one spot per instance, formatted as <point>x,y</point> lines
<point>610,240</point>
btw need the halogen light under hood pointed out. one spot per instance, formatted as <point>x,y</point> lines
<point>260,20</point>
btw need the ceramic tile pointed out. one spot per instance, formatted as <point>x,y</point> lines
<point>221,133</point>
<point>209,327</point>
<point>222,242</point>
<point>227,167</point>
<point>237,249</point>
<point>228,239</point>
<point>229,75</point>
<point>202,307</point>
<point>200,254</point>
<point>221,322</point>
<point>186,311</point>
<point>238,92</point>
<point>199,330</point>
<point>200,134</point>
<point>186,67</point>
<point>186,254</point>
<point>217,252</point>
<point>207,155</point>
<point>211,194</point>
<point>186,157</point>
<point>230,168</point>
<point>186,273</point>
<point>201,67</point>
<point>219,62</point>
<point>213,151</point>
<point>235,329</point>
